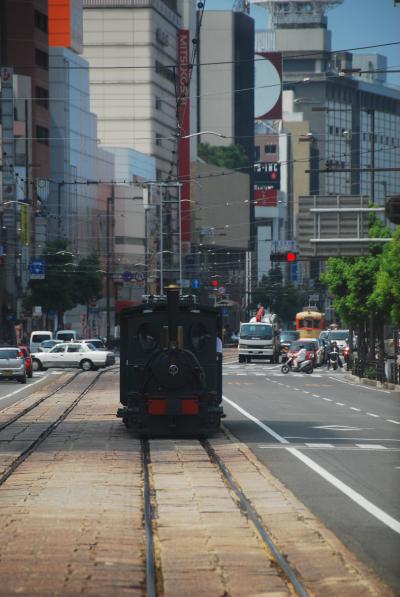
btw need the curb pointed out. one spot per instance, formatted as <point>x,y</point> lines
<point>372,382</point>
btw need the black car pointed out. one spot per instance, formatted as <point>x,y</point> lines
<point>286,339</point>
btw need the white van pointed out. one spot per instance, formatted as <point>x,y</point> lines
<point>67,335</point>
<point>38,337</point>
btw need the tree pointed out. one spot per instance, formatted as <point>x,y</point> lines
<point>57,291</point>
<point>231,156</point>
<point>281,298</point>
<point>386,294</point>
<point>88,281</point>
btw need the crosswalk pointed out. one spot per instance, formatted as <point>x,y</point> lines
<point>370,447</point>
<point>267,371</point>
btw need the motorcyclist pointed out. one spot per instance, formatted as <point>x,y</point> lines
<point>301,356</point>
<point>334,348</point>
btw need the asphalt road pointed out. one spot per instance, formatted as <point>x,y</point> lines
<point>333,443</point>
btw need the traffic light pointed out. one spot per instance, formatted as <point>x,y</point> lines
<point>392,209</point>
<point>288,256</point>
<point>214,283</point>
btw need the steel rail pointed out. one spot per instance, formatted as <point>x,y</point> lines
<point>48,431</point>
<point>151,583</point>
<point>35,404</point>
<point>251,513</point>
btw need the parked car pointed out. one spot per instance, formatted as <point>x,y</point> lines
<point>96,342</point>
<point>28,361</point>
<point>12,364</point>
<point>311,347</point>
<point>38,337</point>
<point>47,345</point>
<point>286,339</point>
<point>73,354</point>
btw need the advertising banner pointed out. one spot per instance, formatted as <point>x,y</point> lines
<point>184,129</point>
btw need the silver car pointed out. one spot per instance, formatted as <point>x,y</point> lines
<point>12,364</point>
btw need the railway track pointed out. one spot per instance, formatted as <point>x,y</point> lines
<point>154,568</point>
<point>7,425</point>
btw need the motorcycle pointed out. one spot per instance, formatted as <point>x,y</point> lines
<point>333,360</point>
<point>304,367</point>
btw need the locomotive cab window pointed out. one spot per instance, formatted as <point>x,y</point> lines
<point>198,336</point>
<point>146,338</point>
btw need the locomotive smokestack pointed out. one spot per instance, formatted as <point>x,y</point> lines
<point>173,311</point>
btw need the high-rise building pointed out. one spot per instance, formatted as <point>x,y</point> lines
<point>131,47</point>
<point>24,150</point>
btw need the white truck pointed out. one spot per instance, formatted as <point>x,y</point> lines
<point>259,339</point>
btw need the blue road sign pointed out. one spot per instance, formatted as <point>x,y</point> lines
<point>195,283</point>
<point>37,268</point>
<point>127,276</point>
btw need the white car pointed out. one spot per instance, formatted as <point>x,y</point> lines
<point>72,354</point>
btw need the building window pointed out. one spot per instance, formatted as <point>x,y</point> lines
<point>331,130</point>
<point>158,103</point>
<point>42,97</point>
<point>165,72</point>
<point>41,21</point>
<point>159,174</point>
<point>257,153</point>
<point>41,59</point>
<point>270,148</point>
<point>42,135</point>
<point>158,139</point>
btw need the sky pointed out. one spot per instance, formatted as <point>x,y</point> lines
<point>353,24</point>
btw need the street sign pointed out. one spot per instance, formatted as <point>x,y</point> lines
<point>37,269</point>
<point>127,276</point>
<point>139,276</point>
<point>196,284</point>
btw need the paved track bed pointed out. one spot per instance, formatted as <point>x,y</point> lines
<point>72,518</point>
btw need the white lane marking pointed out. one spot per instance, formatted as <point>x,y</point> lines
<point>316,395</point>
<point>371,446</point>
<point>327,399</point>
<point>356,497</point>
<point>305,392</point>
<point>338,427</point>
<point>20,390</point>
<point>357,385</point>
<point>319,445</point>
<point>297,389</point>
<point>392,421</point>
<point>354,408</point>
<point>372,415</point>
<point>340,403</point>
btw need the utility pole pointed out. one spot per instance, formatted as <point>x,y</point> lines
<point>110,239</point>
<point>59,185</point>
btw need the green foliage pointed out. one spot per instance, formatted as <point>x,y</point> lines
<point>89,280</point>
<point>57,290</point>
<point>368,285</point>
<point>386,294</point>
<point>231,156</point>
<point>66,284</point>
<point>283,299</point>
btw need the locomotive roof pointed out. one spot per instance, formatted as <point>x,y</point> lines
<point>162,306</point>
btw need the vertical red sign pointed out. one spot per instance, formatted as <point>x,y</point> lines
<point>184,129</point>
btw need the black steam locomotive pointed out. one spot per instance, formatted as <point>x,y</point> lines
<point>171,372</point>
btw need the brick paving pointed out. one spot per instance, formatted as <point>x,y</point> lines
<point>71,515</point>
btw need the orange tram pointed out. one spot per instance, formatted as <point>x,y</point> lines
<point>310,323</point>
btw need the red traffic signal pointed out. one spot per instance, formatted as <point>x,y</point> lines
<point>290,256</point>
<point>214,283</point>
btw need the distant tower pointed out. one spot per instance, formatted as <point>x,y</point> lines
<point>286,14</point>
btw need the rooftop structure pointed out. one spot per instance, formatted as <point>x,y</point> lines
<point>297,13</point>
